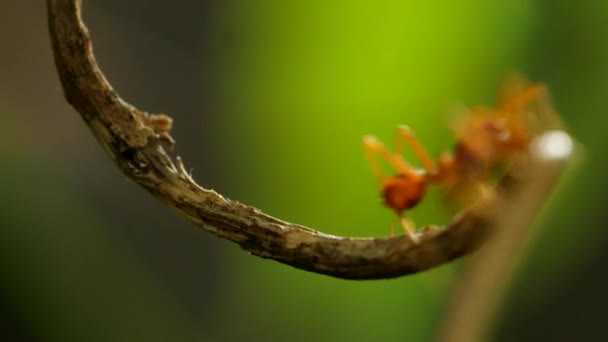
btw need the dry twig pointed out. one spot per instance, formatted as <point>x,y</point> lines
<point>133,139</point>
<point>480,291</point>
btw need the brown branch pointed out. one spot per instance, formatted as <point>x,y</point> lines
<point>133,140</point>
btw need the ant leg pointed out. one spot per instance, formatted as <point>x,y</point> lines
<point>447,170</point>
<point>373,146</point>
<point>486,191</point>
<point>538,95</point>
<point>511,87</point>
<point>409,229</point>
<point>514,102</point>
<point>404,132</point>
<point>392,232</point>
<point>529,95</point>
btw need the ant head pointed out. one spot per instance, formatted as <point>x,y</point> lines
<point>404,190</point>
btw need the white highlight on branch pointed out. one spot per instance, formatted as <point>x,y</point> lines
<point>553,145</point>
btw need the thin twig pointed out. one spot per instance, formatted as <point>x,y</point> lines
<point>480,291</point>
<point>133,140</point>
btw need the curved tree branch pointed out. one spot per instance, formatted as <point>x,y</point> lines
<point>133,139</point>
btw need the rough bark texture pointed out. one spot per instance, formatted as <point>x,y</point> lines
<point>134,138</point>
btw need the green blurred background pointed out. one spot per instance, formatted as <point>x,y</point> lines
<point>271,99</point>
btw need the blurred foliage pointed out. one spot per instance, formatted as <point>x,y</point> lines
<point>65,279</point>
<point>303,83</point>
<point>306,80</point>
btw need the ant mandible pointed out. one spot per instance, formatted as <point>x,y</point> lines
<point>488,139</point>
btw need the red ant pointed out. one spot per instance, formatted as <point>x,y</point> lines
<point>488,139</point>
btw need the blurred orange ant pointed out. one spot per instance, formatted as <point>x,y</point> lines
<point>488,140</point>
